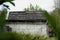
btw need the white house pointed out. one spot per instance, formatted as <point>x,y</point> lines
<point>27,22</point>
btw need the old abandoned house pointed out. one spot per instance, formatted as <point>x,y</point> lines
<point>27,22</point>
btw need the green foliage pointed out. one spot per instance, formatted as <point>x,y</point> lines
<point>7,36</point>
<point>31,37</point>
<point>2,18</point>
<point>52,38</point>
<point>20,36</point>
<point>32,8</point>
<point>56,12</point>
<point>51,19</point>
<point>54,21</point>
<point>3,13</point>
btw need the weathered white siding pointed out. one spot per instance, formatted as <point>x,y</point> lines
<point>34,28</point>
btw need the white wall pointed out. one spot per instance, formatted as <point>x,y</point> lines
<point>34,28</point>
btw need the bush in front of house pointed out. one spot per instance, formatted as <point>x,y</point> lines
<point>7,36</point>
<point>20,36</point>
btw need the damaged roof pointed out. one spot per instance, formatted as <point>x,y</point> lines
<point>26,16</point>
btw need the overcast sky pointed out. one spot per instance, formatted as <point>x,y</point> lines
<point>21,4</point>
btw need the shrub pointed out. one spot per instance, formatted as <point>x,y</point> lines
<point>19,36</point>
<point>7,36</point>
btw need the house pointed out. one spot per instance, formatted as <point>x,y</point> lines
<point>27,22</point>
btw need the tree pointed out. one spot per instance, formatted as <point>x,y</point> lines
<point>54,20</point>
<point>4,12</point>
<point>56,12</point>
<point>32,8</point>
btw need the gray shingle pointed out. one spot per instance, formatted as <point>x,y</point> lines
<point>21,15</point>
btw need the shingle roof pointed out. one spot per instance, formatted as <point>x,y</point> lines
<point>22,15</point>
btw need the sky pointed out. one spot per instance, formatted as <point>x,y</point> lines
<point>21,4</point>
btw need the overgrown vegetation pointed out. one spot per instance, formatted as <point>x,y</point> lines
<point>51,18</point>
<point>54,21</point>
<point>21,36</point>
<point>3,13</point>
<point>2,18</point>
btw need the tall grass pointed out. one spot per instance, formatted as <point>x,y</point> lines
<point>20,36</point>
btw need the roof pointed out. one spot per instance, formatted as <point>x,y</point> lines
<point>25,16</point>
